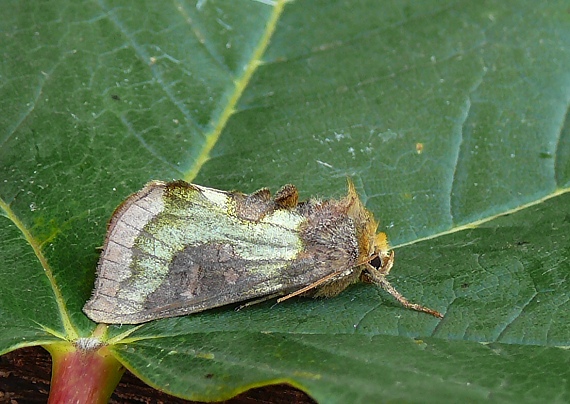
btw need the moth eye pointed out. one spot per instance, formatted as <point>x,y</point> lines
<point>376,262</point>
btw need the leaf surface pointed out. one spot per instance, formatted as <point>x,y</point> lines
<point>451,118</point>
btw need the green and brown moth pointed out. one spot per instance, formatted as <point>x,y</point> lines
<point>178,248</point>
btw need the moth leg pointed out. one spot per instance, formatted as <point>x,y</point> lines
<point>379,278</point>
<point>309,287</point>
<point>256,301</point>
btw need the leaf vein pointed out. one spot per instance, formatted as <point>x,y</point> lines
<point>517,311</point>
<point>234,95</point>
<point>462,133</point>
<point>477,223</point>
<point>36,247</point>
<point>146,59</point>
<point>145,145</point>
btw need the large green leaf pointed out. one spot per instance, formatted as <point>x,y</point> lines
<point>447,115</point>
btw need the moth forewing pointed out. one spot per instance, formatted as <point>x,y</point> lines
<point>178,248</point>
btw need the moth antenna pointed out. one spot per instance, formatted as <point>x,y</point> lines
<point>329,277</point>
<point>380,279</point>
<point>309,287</point>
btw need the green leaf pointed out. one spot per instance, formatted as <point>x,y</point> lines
<point>451,118</point>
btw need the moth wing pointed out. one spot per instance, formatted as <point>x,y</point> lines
<point>230,285</point>
<point>176,248</point>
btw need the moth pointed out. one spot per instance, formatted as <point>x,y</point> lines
<point>177,248</point>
